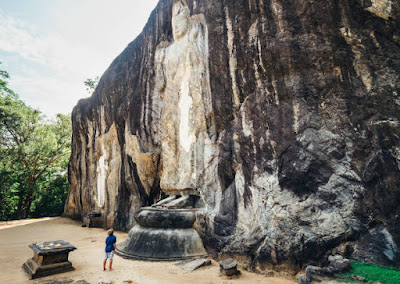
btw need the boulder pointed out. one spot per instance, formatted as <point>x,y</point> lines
<point>337,265</point>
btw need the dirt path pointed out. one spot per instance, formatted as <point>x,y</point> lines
<point>16,223</point>
<point>87,259</point>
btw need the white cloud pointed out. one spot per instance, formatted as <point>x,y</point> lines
<point>50,50</point>
<point>51,70</point>
<point>16,38</point>
<point>50,64</point>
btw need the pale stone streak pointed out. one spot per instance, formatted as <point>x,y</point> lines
<point>232,62</point>
<point>146,162</point>
<point>107,170</point>
<point>296,115</point>
<point>278,12</point>
<point>247,125</point>
<point>360,67</point>
<point>381,8</point>
<point>102,169</point>
<point>260,56</point>
<point>186,137</point>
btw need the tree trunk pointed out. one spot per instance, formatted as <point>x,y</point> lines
<point>21,202</point>
<point>25,201</point>
<point>26,208</point>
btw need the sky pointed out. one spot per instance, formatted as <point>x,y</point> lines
<point>50,47</point>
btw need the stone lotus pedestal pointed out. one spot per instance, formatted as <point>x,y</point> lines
<point>163,233</point>
<point>49,258</point>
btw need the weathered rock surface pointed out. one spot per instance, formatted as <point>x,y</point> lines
<point>337,265</point>
<point>282,115</point>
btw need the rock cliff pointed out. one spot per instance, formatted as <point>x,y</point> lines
<point>282,115</point>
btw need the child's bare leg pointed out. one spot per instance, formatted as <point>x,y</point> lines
<point>111,264</point>
<point>104,264</point>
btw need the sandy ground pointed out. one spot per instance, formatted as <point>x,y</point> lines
<point>87,260</point>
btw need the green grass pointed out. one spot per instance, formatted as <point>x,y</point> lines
<point>371,273</point>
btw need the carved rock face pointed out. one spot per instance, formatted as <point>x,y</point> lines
<point>283,116</point>
<point>187,148</point>
<point>180,19</point>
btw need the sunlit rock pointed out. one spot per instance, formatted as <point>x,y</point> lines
<point>282,117</point>
<point>188,147</point>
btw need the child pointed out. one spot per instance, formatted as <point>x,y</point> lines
<point>110,247</point>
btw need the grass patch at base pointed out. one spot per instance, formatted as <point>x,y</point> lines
<point>371,273</point>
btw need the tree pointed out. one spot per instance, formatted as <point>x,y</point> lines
<point>91,84</point>
<point>33,152</point>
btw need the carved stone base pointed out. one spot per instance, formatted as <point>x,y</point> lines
<point>36,270</point>
<point>163,233</point>
<point>161,244</point>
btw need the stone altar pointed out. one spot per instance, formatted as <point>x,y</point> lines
<point>49,258</point>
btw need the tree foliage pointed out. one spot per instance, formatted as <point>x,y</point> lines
<point>91,84</point>
<point>34,155</point>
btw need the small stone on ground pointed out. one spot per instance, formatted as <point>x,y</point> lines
<point>228,267</point>
<point>358,278</point>
<point>196,264</point>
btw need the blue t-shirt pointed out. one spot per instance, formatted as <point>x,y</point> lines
<point>110,241</point>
